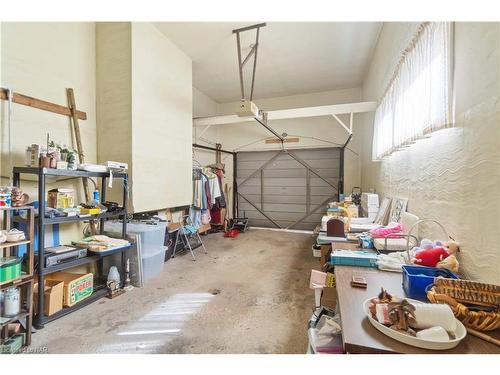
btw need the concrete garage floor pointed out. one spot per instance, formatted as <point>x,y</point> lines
<point>263,305</point>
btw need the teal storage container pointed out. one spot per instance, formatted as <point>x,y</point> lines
<point>354,258</point>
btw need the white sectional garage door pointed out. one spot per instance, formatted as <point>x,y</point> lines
<point>287,189</point>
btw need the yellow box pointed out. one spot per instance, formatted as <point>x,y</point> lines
<point>61,198</point>
<point>91,211</point>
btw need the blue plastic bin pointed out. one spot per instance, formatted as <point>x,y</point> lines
<point>417,278</point>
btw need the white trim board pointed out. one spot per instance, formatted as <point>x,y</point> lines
<point>325,110</point>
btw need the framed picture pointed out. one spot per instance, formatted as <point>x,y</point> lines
<point>383,211</point>
<point>398,207</point>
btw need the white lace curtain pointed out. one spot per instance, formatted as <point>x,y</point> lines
<point>418,99</point>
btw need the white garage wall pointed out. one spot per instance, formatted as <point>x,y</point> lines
<point>145,112</point>
<point>114,98</point>
<point>161,120</point>
<point>42,60</point>
<point>203,105</point>
<point>454,176</point>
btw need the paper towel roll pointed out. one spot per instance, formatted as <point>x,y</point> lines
<point>433,334</point>
<point>430,315</point>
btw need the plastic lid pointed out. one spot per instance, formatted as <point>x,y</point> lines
<point>9,261</point>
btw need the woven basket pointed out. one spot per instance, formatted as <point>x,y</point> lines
<point>459,293</point>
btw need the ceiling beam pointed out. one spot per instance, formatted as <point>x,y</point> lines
<point>325,110</point>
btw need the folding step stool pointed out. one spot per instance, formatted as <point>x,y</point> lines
<point>187,231</point>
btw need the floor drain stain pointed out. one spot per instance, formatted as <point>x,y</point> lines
<point>214,291</point>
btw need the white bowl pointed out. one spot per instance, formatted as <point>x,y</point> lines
<point>460,333</point>
<point>14,235</point>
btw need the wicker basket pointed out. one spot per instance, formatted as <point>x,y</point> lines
<point>459,293</point>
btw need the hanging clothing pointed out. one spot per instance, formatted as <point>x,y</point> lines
<point>221,200</point>
<point>203,193</point>
<point>195,216</point>
<point>205,217</point>
<point>208,194</point>
<point>215,190</point>
<point>197,193</point>
<point>215,213</point>
<point>196,173</point>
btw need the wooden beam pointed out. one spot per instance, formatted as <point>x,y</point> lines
<point>76,128</point>
<point>286,140</point>
<point>41,104</point>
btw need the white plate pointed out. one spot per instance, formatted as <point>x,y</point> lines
<point>460,333</point>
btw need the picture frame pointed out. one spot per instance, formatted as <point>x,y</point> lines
<point>383,211</point>
<point>397,208</point>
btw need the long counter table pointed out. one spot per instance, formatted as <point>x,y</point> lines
<point>360,336</point>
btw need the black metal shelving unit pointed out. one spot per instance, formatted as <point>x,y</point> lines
<point>41,271</point>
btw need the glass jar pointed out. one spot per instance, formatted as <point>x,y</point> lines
<point>11,301</point>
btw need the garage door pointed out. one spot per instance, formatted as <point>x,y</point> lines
<point>287,189</point>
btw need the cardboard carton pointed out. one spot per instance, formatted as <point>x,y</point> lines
<point>53,296</point>
<point>77,286</point>
<point>329,298</point>
<point>325,255</point>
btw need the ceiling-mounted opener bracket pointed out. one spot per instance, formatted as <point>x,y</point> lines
<point>259,116</point>
<point>262,119</point>
<point>253,52</point>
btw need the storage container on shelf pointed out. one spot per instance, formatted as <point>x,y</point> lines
<point>152,264</point>
<point>10,268</point>
<point>151,237</point>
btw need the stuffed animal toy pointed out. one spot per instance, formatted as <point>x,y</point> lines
<point>450,263</point>
<point>428,244</point>
<point>430,257</point>
<point>437,254</point>
<point>453,247</point>
<point>392,228</point>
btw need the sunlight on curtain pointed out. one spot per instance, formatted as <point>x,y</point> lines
<point>418,98</point>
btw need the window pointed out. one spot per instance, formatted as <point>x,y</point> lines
<point>417,100</point>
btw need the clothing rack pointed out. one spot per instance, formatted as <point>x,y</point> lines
<point>235,187</point>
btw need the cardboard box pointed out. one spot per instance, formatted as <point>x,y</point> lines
<point>345,246</point>
<point>173,226</point>
<point>204,228</point>
<point>317,279</point>
<point>53,296</point>
<point>325,255</point>
<point>77,286</point>
<point>61,198</point>
<point>329,298</point>
<point>13,328</point>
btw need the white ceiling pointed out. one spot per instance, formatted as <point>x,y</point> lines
<point>293,57</point>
